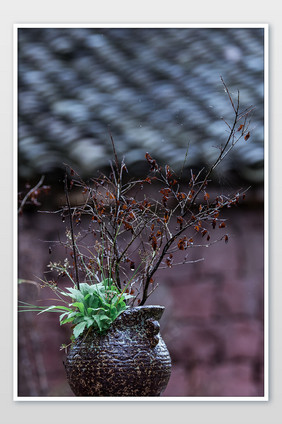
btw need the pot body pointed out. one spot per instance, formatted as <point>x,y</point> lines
<point>130,359</point>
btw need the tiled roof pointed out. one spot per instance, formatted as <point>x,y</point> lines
<point>155,89</point>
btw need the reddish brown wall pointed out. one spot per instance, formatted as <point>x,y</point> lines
<point>213,323</point>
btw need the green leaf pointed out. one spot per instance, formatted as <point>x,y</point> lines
<point>94,302</point>
<point>102,321</point>
<point>63,315</point>
<point>105,318</point>
<point>121,305</point>
<point>50,308</point>
<point>70,317</point>
<point>94,311</point>
<point>79,305</point>
<point>76,294</point>
<point>79,317</point>
<point>89,321</point>
<point>85,288</point>
<point>105,303</point>
<point>67,320</point>
<point>79,328</point>
<point>114,298</point>
<point>113,312</point>
<point>66,294</point>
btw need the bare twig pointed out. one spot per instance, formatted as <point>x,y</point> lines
<point>130,231</point>
<point>71,228</point>
<point>29,194</point>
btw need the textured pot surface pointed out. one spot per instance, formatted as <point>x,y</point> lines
<point>130,359</point>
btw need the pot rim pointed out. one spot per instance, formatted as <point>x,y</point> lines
<point>149,311</point>
<point>143,307</point>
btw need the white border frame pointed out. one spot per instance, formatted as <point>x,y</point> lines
<point>266,214</point>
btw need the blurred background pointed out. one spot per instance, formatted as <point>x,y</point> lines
<point>156,90</point>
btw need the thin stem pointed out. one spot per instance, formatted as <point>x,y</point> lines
<point>71,229</point>
<point>223,149</point>
<point>40,182</point>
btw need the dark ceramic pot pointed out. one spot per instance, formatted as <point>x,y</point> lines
<point>130,359</point>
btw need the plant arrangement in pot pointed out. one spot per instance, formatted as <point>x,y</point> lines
<point>124,238</point>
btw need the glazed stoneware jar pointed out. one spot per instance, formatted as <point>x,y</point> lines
<point>130,359</point>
